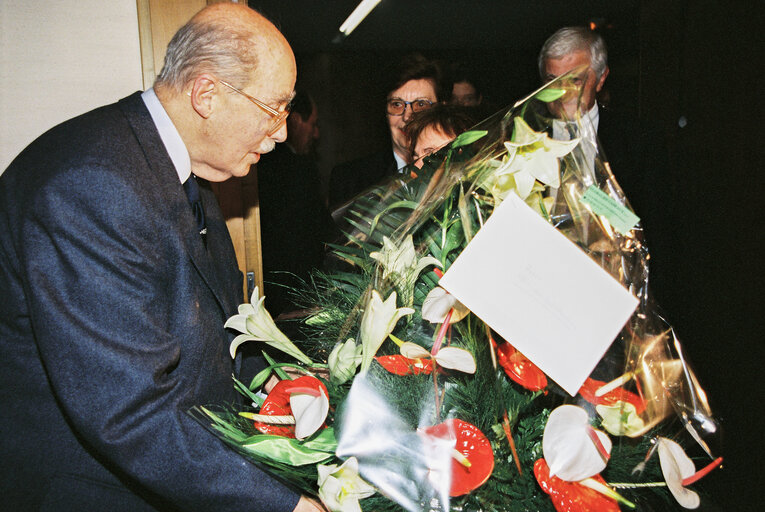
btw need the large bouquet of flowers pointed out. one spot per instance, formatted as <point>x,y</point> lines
<point>409,389</point>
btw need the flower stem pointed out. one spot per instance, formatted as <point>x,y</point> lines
<point>509,434</point>
<point>492,346</point>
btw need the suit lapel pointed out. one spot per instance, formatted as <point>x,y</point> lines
<point>165,177</point>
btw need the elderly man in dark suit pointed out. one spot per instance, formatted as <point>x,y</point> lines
<point>114,291</point>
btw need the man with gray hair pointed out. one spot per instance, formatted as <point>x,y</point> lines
<point>117,274</point>
<point>580,49</point>
<point>634,152</point>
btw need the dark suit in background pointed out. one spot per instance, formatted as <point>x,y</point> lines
<point>111,328</point>
<point>294,223</point>
<point>351,178</point>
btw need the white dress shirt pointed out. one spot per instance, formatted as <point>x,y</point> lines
<point>169,135</point>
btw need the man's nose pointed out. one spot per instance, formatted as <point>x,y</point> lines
<point>280,135</point>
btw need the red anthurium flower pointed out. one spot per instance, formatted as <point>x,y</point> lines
<point>613,397</point>
<point>400,365</point>
<point>519,368</point>
<point>474,461</point>
<point>572,496</point>
<point>277,403</point>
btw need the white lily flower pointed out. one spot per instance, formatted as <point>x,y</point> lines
<point>532,156</point>
<point>309,411</point>
<point>438,303</point>
<point>401,265</point>
<point>256,324</point>
<point>454,358</point>
<point>676,466</point>
<point>341,488</point>
<point>377,323</point>
<point>343,361</point>
<point>570,445</point>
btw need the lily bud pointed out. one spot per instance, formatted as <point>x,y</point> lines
<point>343,361</point>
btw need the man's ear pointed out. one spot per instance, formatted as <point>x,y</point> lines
<point>203,91</point>
<point>601,80</point>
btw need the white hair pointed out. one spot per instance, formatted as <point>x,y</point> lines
<point>208,47</point>
<point>570,39</point>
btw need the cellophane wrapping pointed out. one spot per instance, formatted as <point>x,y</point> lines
<point>422,426</point>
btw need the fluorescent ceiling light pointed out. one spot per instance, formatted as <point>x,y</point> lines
<point>359,13</point>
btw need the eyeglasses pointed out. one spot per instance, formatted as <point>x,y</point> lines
<point>277,117</point>
<point>397,107</point>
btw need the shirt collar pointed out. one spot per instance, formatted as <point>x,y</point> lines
<point>174,145</point>
<point>400,162</point>
<point>593,116</point>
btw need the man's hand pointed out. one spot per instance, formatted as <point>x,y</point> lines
<point>307,504</point>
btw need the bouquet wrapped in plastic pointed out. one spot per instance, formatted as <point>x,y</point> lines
<point>487,342</point>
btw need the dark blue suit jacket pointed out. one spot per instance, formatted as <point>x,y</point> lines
<point>111,328</point>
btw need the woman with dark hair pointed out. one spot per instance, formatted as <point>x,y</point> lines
<point>431,129</point>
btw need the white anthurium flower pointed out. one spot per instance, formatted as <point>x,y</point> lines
<point>343,361</point>
<point>438,303</point>
<point>456,359</point>
<point>532,156</point>
<point>413,350</point>
<point>570,447</point>
<point>309,411</point>
<point>377,323</point>
<point>620,419</point>
<point>453,358</point>
<point>400,263</point>
<point>256,324</point>
<point>341,488</point>
<point>676,466</point>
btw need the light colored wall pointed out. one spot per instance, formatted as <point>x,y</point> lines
<point>59,59</point>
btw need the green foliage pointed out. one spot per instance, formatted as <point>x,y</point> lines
<point>549,94</point>
<point>463,139</point>
<point>238,432</point>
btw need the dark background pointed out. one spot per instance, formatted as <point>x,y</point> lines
<point>691,68</point>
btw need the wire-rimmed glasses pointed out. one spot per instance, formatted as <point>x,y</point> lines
<point>278,117</point>
<point>397,106</point>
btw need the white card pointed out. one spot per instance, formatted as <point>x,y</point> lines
<point>540,292</point>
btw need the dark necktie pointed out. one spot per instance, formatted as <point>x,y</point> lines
<point>192,192</point>
<point>572,130</point>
